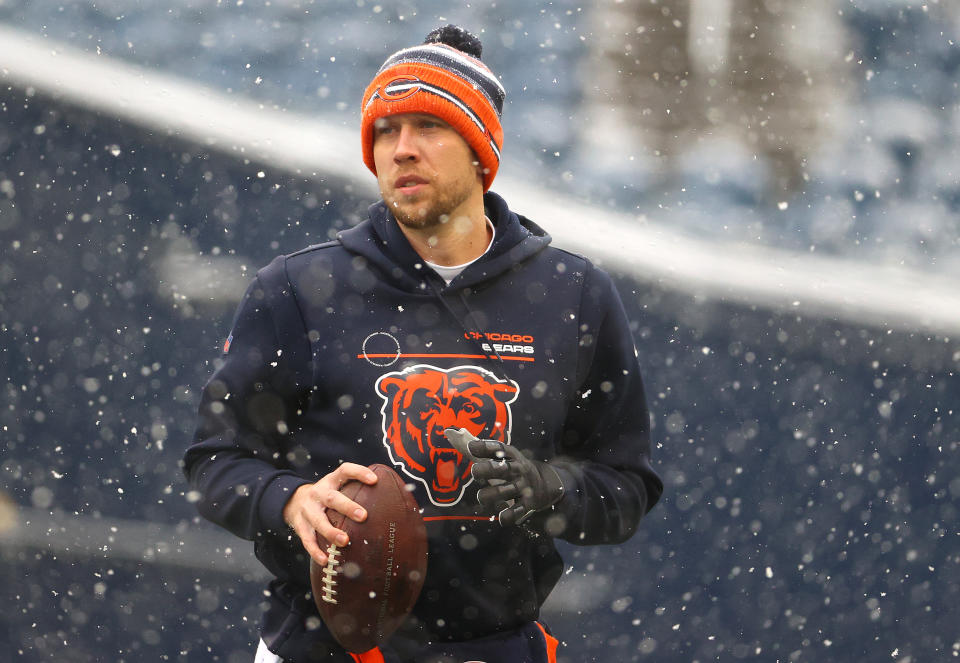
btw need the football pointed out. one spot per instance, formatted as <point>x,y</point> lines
<point>367,588</point>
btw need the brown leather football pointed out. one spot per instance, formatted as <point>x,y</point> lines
<point>367,589</point>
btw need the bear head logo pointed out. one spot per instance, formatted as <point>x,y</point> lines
<point>421,401</point>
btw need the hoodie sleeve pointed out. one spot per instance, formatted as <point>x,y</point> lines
<point>604,456</point>
<point>235,464</point>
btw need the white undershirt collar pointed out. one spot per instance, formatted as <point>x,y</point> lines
<point>450,272</point>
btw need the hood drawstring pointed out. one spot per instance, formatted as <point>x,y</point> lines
<point>474,335</point>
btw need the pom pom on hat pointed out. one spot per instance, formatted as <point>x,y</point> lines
<point>460,39</point>
<point>443,77</point>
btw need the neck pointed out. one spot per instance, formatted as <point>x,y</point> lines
<point>463,237</point>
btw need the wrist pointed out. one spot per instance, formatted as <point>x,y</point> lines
<point>276,496</point>
<point>558,517</point>
<point>553,483</point>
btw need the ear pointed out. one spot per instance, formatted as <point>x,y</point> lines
<point>477,165</point>
<point>389,386</point>
<point>504,393</point>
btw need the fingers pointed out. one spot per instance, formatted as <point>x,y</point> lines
<point>460,439</point>
<point>307,511</point>
<point>494,495</point>
<point>487,470</point>
<point>329,496</point>
<point>500,461</point>
<point>306,514</point>
<point>514,515</point>
<point>347,471</point>
<point>312,545</point>
<point>327,499</point>
<point>305,524</point>
<point>491,449</point>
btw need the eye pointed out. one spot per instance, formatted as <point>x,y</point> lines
<point>424,406</point>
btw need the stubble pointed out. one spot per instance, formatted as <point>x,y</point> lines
<point>432,210</point>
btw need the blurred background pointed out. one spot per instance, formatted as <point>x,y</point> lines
<point>709,115</point>
<point>810,455</point>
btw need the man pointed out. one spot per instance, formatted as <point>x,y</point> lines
<point>445,338</point>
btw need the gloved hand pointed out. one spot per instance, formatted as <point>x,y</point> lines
<point>510,483</point>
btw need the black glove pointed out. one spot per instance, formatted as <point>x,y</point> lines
<point>511,483</point>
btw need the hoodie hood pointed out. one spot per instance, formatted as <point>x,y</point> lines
<point>380,240</point>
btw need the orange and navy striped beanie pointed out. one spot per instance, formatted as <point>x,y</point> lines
<point>443,77</point>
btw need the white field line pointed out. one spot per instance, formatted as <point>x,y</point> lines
<point>823,286</point>
<point>174,106</point>
<point>84,536</point>
<point>809,284</point>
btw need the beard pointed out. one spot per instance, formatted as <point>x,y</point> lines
<point>435,207</point>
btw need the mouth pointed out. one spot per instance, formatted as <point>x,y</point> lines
<point>447,464</point>
<point>409,184</point>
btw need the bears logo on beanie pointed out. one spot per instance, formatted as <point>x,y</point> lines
<point>443,77</point>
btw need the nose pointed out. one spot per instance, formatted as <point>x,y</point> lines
<point>407,148</point>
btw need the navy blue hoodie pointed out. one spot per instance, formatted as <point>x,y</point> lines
<point>355,350</point>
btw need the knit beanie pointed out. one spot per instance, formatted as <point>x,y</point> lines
<point>443,77</point>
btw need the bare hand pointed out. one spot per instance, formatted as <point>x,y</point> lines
<point>306,511</point>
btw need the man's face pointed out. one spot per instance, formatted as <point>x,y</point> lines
<point>426,171</point>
